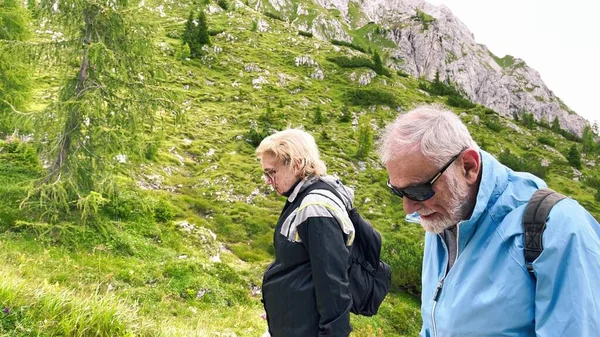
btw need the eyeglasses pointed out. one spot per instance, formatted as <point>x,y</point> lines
<point>270,174</point>
<point>423,191</point>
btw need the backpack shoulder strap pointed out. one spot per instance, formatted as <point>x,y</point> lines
<point>534,223</point>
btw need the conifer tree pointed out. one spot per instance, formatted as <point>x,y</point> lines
<point>587,139</point>
<point>555,125</point>
<point>103,108</point>
<point>189,36</point>
<point>202,34</point>
<point>14,70</point>
<point>378,63</point>
<point>574,157</point>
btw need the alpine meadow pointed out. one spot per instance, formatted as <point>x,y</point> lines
<point>131,200</point>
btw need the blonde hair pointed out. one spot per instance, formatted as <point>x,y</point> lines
<point>294,146</point>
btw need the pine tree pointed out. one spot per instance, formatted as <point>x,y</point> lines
<point>574,157</point>
<point>189,36</point>
<point>587,139</point>
<point>365,138</point>
<point>378,63</point>
<point>202,35</point>
<point>102,109</point>
<point>555,125</point>
<point>14,69</point>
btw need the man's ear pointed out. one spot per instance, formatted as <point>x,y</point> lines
<point>471,161</point>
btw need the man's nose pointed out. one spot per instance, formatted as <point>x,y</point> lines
<point>410,206</point>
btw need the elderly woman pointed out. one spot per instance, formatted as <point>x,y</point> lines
<point>305,290</point>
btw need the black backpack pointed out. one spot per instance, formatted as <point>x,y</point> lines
<point>534,223</point>
<point>369,277</point>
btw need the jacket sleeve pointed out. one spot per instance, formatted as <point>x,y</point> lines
<point>567,298</point>
<point>328,253</point>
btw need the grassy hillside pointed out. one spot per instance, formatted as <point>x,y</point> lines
<point>181,250</point>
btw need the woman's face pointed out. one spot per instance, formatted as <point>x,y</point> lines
<point>282,176</point>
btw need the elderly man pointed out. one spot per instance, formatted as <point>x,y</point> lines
<point>475,280</point>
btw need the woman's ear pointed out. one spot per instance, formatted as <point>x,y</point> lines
<point>471,161</point>
<point>298,167</point>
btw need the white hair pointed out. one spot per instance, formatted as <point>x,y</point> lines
<point>431,129</point>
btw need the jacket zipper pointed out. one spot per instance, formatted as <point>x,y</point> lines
<point>438,290</point>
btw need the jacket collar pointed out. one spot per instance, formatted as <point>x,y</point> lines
<point>494,179</point>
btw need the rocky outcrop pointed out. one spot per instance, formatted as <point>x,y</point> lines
<point>430,40</point>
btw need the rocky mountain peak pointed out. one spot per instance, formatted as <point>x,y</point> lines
<point>429,39</point>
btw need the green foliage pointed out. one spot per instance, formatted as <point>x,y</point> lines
<point>367,97</point>
<point>102,110</point>
<point>15,72</point>
<point>378,66</point>
<point>254,26</point>
<point>44,310</point>
<point>516,163</point>
<point>365,138</point>
<point>318,115</point>
<point>505,62</point>
<point>402,73</point>
<point>202,35</point>
<point>349,45</point>
<point>587,139</point>
<point>547,141</point>
<point>424,18</point>
<point>351,62</point>
<point>493,124</point>
<point>460,102</point>
<point>224,4</point>
<point>163,211</point>
<point>345,117</point>
<point>527,120</point>
<point>555,125</point>
<point>274,15</point>
<point>403,251</point>
<point>574,157</point>
<point>305,34</point>
<point>189,37</point>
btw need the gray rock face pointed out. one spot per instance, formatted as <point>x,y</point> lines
<point>441,45</point>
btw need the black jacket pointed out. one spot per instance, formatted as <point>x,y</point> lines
<point>305,290</point>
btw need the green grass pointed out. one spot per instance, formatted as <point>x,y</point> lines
<point>138,268</point>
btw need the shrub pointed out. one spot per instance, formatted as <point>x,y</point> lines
<point>353,62</point>
<point>546,140</point>
<point>402,73</point>
<point>275,16</point>
<point>223,4</point>
<point>367,97</point>
<point>163,211</point>
<point>516,163</point>
<point>460,102</point>
<point>303,33</point>
<point>349,45</point>
<point>493,125</point>
<point>345,116</point>
<point>255,135</point>
<point>404,253</point>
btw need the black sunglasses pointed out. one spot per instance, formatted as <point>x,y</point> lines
<point>423,191</point>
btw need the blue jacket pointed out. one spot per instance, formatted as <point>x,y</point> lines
<point>488,291</point>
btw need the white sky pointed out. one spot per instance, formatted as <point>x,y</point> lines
<point>559,39</point>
